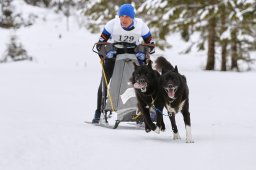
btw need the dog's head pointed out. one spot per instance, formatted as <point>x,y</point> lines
<point>142,77</point>
<point>170,81</point>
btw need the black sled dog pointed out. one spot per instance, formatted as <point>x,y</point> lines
<point>176,95</point>
<point>145,81</point>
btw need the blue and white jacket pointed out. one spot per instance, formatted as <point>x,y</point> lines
<point>133,34</point>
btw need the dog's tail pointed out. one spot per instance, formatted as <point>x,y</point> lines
<point>162,65</point>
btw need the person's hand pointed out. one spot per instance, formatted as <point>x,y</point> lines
<point>110,54</point>
<point>140,56</point>
<point>98,47</point>
<point>141,62</point>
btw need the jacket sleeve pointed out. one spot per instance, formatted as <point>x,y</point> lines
<point>147,38</point>
<point>105,35</point>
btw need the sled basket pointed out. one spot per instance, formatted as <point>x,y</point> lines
<point>123,95</point>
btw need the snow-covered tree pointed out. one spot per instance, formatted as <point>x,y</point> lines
<point>228,24</point>
<point>222,25</point>
<point>240,25</point>
<point>15,51</point>
<point>6,14</point>
<point>11,17</point>
<point>42,3</point>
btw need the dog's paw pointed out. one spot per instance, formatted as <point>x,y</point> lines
<point>176,136</point>
<point>189,140</point>
<point>157,130</point>
<point>162,128</point>
<point>147,130</point>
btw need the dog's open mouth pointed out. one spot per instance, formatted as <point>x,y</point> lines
<point>141,84</point>
<point>171,92</point>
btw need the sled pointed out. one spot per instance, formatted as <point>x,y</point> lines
<point>121,99</point>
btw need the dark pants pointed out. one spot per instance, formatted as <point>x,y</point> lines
<point>102,90</point>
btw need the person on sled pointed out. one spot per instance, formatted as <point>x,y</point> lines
<point>128,29</point>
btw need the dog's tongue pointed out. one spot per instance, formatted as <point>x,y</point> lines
<point>139,85</point>
<point>171,93</point>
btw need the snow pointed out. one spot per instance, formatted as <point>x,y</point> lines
<point>226,34</point>
<point>167,15</point>
<point>44,104</point>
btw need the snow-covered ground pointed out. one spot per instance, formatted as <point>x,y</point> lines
<point>44,103</point>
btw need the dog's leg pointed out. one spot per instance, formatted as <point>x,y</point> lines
<point>148,121</point>
<point>162,125</point>
<point>186,116</point>
<point>176,134</point>
<point>189,138</point>
<point>147,128</point>
<point>150,124</point>
<point>160,120</point>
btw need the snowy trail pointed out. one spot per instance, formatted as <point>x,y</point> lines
<point>43,106</point>
<point>43,109</point>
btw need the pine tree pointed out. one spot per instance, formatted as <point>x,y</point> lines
<point>237,31</point>
<point>223,42</point>
<point>42,3</point>
<point>9,18</point>
<point>6,14</point>
<point>15,51</point>
<point>213,20</point>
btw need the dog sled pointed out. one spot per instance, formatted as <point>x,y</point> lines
<point>121,103</point>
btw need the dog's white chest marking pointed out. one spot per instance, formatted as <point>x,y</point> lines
<point>173,110</point>
<point>170,109</point>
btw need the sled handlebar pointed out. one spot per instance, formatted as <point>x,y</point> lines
<point>99,43</point>
<point>124,44</point>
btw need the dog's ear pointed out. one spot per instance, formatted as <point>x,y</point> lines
<point>176,69</point>
<point>135,65</point>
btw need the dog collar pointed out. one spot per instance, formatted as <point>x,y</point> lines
<point>171,100</point>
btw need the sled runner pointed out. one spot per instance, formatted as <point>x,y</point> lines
<point>121,101</point>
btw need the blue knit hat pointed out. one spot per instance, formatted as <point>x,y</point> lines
<point>126,9</point>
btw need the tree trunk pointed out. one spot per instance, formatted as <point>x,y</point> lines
<point>224,42</point>
<point>211,44</point>
<point>234,52</point>
<point>224,55</point>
